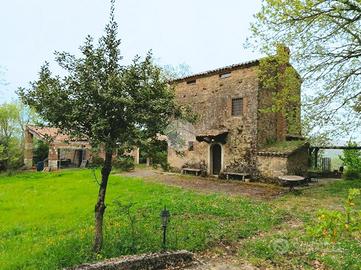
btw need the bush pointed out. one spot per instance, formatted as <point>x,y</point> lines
<point>96,161</point>
<point>333,225</point>
<point>352,160</point>
<point>11,154</point>
<point>165,166</point>
<point>124,163</point>
<point>351,174</point>
<point>157,152</point>
<point>41,151</point>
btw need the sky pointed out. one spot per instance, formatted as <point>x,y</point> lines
<point>204,34</point>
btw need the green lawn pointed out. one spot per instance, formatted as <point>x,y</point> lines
<point>290,245</point>
<point>46,219</point>
<point>46,222</point>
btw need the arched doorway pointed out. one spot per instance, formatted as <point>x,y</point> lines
<point>216,159</point>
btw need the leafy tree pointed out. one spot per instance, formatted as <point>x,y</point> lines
<point>10,137</point>
<point>351,158</point>
<point>157,152</point>
<point>9,114</point>
<point>113,106</point>
<point>325,39</point>
<point>40,150</point>
<point>14,117</point>
<point>175,72</point>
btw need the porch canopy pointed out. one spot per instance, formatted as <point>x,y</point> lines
<point>313,150</point>
<point>213,135</point>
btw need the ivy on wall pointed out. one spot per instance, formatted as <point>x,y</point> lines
<point>277,75</point>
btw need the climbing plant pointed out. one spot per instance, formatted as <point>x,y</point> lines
<point>282,80</point>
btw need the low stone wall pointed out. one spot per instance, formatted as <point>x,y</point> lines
<point>271,165</point>
<point>142,262</point>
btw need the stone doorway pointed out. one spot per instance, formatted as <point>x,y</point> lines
<point>216,159</point>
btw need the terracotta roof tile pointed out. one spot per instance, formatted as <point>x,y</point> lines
<point>51,133</point>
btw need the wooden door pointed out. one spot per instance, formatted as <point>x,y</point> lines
<point>216,152</point>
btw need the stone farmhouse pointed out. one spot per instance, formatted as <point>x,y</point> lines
<point>233,132</point>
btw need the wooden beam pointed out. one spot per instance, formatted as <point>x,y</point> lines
<point>337,147</point>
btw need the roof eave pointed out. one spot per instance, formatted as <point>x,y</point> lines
<point>217,71</point>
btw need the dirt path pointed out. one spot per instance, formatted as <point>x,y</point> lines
<point>208,185</point>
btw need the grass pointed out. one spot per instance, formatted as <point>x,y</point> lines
<point>46,219</point>
<point>290,246</point>
<point>46,222</point>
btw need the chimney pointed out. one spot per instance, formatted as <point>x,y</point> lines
<point>283,51</point>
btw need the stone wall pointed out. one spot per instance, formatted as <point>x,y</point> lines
<point>165,260</point>
<point>28,149</point>
<point>266,121</point>
<point>275,126</point>
<point>211,98</point>
<point>272,165</point>
<point>298,161</point>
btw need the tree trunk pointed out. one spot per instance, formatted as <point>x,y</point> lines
<point>100,206</point>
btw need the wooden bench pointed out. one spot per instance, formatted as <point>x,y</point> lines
<point>291,180</point>
<point>196,171</point>
<point>244,175</point>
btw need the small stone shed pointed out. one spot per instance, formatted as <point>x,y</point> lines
<point>272,163</point>
<point>62,148</point>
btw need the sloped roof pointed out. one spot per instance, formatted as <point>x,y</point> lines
<point>282,149</point>
<point>51,133</point>
<point>219,70</point>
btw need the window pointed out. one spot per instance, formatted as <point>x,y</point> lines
<point>190,146</point>
<point>192,82</point>
<point>225,75</point>
<point>237,106</point>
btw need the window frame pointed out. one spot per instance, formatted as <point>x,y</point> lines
<point>234,105</point>
<point>190,146</point>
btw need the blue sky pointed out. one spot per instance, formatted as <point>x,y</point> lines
<point>204,34</point>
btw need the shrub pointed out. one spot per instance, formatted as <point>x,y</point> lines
<point>41,151</point>
<point>157,152</point>
<point>96,161</point>
<point>351,158</point>
<point>165,166</point>
<point>351,174</point>
<point>124,163</point>
<point>11,154</point>
<point>333,225</point>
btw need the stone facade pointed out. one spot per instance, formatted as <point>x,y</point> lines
<point>213,97</point>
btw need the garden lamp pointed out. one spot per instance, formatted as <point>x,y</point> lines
<point>165,219</point>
